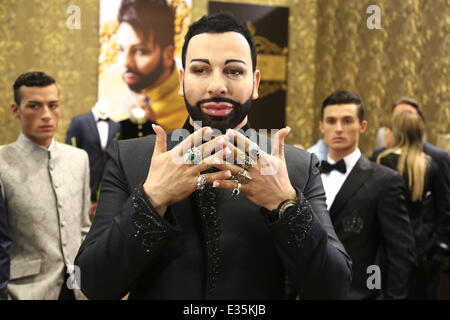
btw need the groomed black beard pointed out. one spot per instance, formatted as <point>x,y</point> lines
<point>235,117</point>
<point>147,80</point>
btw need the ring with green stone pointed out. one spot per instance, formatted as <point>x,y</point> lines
<point>193,156</point>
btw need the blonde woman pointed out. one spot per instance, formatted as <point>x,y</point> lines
<point>405,154</point>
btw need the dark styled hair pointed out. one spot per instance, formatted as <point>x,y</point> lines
<point>218,23</point>
<point>411,103</point>
<point>344,97</point>
<point>31,79</point>
<point>148,16</point>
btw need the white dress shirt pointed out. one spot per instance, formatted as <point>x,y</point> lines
<point>103,129</point>
<point>333,181</point>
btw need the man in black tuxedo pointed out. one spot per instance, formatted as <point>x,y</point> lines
<point>5,244</point>
<point>366,204</point>
<point>436,214</point>
<point>172,226</point>
<point>93,132</point>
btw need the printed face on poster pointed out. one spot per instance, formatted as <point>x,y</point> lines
<point>140,55</point>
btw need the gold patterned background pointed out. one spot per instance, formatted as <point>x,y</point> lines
<point>34,36</point>
<point>330,48</point>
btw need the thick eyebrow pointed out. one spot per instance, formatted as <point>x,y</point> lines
<point>201,60</point>
<point>40,102</point>
<point>234,60</point>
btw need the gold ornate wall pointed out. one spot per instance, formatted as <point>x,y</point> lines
<point>332,48</point>
<point>34,36</point>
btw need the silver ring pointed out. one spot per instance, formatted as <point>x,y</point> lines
<point>193,156</point>
<point>201,182</point>
<point>237,190</point>
<point>254,150</point>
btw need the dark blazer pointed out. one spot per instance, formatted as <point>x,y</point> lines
<point>5,245</point>
<point>83,133</point>
<point>436,215</point>
<point>432,190</point>
<point>247,258</point>
<point>369,215</point>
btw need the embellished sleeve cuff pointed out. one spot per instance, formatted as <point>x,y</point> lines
<point>295,223</point>
<point>152,230</point>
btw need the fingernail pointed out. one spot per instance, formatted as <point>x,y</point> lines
<point>215,184</point>
<point>228,173</point>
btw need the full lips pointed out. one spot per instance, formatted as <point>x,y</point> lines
<point>131,78</point>
<point>217,109</point>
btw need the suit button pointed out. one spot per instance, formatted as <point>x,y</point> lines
<point>63,224</point>
<point>56,186</point>
<point>52,167</point>
<point>60,204</point>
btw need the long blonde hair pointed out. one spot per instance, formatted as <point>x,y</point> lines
<point>408,130</point>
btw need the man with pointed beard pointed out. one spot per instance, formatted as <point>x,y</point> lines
<point>190,220</point>
<point>145,43</point>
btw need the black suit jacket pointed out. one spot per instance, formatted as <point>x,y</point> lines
<point>370,217</point>
<point>174,261</point>
<point>436,209</point>
<point>432,189</point>
<point>5,244</point>
<point>83,133</point>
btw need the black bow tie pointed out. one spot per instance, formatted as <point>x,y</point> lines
<point>102,119</point>
<point>326,167</point>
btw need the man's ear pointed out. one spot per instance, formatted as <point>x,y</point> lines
<point>256,80</point>
<point>363,126</point>
<point>180,87</point>
<point>15,110</point>
<point>168,53</point>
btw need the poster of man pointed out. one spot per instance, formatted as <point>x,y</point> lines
<point>139,59</point>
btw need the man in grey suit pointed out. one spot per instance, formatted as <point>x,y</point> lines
<point>46,190</point>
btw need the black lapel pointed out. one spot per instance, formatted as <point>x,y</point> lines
<point>111,130</point>
<point>360,172</point>
<point>93,127</point>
